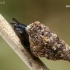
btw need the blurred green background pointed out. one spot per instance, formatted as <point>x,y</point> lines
<point>52,13</point>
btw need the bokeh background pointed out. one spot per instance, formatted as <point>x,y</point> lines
<point>52,13</point>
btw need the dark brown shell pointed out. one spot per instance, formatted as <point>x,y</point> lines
<point>45,43</point>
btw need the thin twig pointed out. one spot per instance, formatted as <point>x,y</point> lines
<point>10,37</point>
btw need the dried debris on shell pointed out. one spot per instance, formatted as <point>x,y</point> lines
<point>45,43</point>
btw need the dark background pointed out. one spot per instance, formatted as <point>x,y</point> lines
<point>52,13</point>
